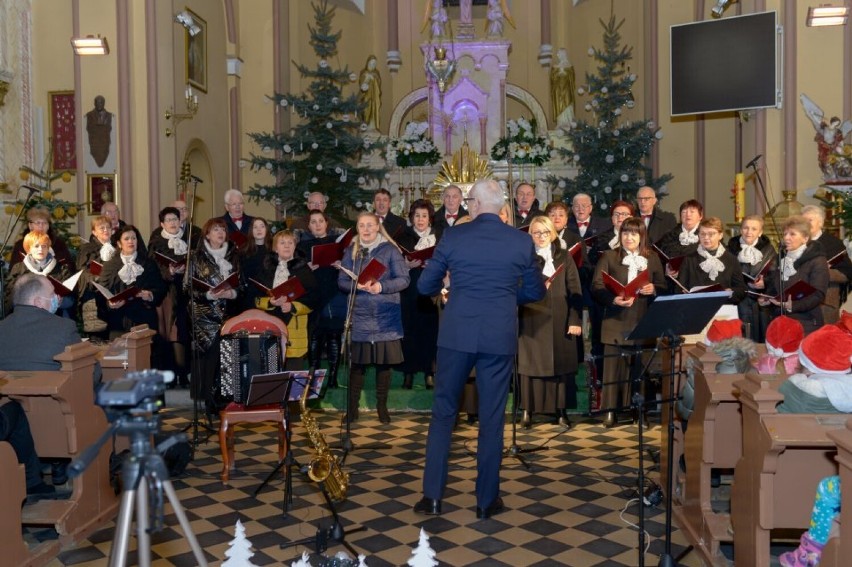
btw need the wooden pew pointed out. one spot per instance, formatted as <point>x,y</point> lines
<point>784,458</point>
<point>128,353</point>
<point>838,550</point>
<point>64,420</point>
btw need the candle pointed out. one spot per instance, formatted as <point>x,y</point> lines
<point>335,142</point>
<point>739,197</point>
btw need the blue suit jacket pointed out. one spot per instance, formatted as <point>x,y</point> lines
<point>493,268</point>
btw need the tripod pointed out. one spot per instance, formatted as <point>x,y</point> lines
<point>334,533</point>
<point>289,461</point>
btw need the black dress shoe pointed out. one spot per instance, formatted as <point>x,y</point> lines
<point>494,508</point>
<point>564,420</point>
<point>526,420</point>
<point>408,381</point>
<point>609,421</point>
<point>428,506</point>
<point>430,381</point>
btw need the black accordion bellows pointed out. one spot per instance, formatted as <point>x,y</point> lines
<point>241,356</point>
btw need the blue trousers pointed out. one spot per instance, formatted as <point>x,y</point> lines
<point>493,372</point>
<point>15,429</point>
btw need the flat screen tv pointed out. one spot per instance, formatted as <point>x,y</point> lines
<point>725,65</point>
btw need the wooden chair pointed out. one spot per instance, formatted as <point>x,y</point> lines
<point>252,321</point>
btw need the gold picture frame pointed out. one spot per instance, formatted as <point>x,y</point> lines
<point>100,189</point>
<point>195,54</point>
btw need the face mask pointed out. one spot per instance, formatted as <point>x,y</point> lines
<point>54,304</point>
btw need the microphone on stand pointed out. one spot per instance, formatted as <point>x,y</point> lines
<point>753,162</point>
<point>31,189</point>
<point>199,180</point>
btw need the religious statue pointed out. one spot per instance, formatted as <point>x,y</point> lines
<point>99,129</point>
<point>371,93</point>
<point>833,155</point>
<point>562,89</point>
<point>497,10</point>
<point>437,14</point>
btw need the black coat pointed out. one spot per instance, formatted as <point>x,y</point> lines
<point>659,224</point>
<point>134,311</point>
<point>671,246</point>
<point>440,224</point>
<point>812,267</point>
<point>597,225</point>
<point>394,225</point>
<point>749,310</point>
<point>691,275</point>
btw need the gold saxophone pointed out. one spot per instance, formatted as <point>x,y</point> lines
<point>324,467</point>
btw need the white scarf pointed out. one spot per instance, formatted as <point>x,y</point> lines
<point>176,242</point>
<point>712,265</point>
<point>547,255</point>
<point>282,273</point>
<point>613,242</point>
<point>106,252</point>
<point>218,255</point>
<point>687,237</point>
<point>42,268</point>
<point>130,270</point>
<point>749,254</point>
<point>427,239</point>
<point>787,269</point>
<point>371,246</point>
<point>635,263</point>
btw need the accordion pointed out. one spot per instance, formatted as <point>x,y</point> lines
<point>241,356</point>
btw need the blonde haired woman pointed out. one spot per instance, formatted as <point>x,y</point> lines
<point>376,318</point>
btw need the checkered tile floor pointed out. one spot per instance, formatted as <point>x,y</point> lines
<point>562,510</point>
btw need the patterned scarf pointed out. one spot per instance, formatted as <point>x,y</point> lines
<point>106,252</point>
<point>712,265</point>
<point>176,242</point>
<point>787,268</point>
<point>635,263</point>
<point>427,239</point>
<point>546,254</point>
<point>130,270</point>
<point>687,237</point>
<point>218,255</point>
<point>749,254</point>
<point>282,273</point>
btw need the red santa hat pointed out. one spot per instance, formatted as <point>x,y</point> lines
<point>783,336</point>
<point>721,329</point>
<point>828,350</point>
<point>845,322</point>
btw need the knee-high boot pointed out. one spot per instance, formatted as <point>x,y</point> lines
<point>356,383</point>
<point>383,379</point>
<point>315,349</point>
<point>332,347</point>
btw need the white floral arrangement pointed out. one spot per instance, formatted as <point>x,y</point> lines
<point>522,144</point>
<point>414,148</point>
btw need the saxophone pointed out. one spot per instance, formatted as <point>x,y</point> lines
<point>324,467</point>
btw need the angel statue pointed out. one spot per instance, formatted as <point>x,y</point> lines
<point>437,14</point>
<point>833,155</point>
<point>497,10</point>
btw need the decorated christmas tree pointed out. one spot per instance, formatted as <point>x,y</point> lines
<point>610,152</point>
<point>322,150</point>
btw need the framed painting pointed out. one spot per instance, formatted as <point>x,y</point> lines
<point>63,130</point>
<point>196,54</point>
<point>101,189</point>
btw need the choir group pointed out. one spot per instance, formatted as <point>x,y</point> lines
<point>188,280</point>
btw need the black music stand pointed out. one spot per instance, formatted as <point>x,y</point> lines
<point>667,318</point>
<point>282,388</point>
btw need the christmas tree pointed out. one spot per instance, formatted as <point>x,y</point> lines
<point>610,152</point>
<point>322,150</point>
<point>423,555</point>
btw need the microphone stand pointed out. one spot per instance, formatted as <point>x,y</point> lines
<point>346,354</point>
<point>11,231</point>
<point>753,165</point>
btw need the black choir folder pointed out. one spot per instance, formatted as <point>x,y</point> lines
<point>761,272</point>
<point>626,290</point>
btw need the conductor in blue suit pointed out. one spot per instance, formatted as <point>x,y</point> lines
<point>492,269</point>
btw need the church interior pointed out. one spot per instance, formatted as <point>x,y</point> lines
<point>177,104</point>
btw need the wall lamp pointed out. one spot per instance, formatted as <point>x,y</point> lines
<point>827,16</point>
<point>185,19</point>
<point>720,7</point>
<point>90,45</point>
<point>191,101</point>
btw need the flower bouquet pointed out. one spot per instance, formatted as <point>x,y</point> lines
<point>522,144</point>
<point>414,148</point>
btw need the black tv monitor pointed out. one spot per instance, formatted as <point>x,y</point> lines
<point>725,65</point>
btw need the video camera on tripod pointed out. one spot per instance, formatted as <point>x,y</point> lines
<point>135,390</point>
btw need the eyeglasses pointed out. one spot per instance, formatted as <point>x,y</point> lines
<point>581,206</point>
<point>540,233</point>
<point>468,199</point>
<point>39,222</point>
<point>621,215</point>
<point>644,198</point>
